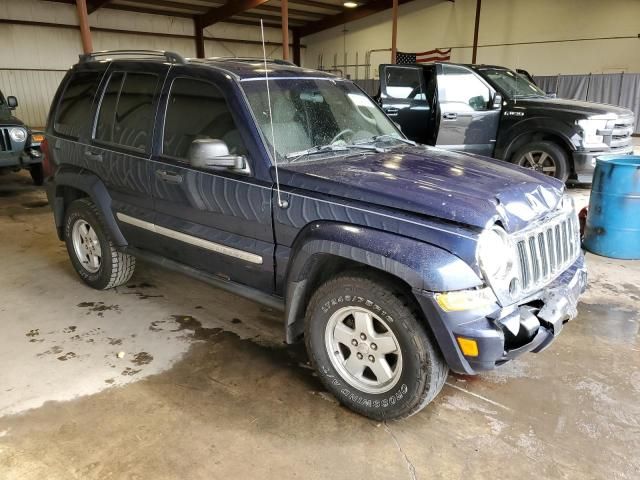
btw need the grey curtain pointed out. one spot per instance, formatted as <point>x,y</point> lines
<point>622,89</point>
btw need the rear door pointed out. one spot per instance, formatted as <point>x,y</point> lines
<point>219,220</point>
<point>120,148</point>
<point>468,120</point>
<point>406,99</point>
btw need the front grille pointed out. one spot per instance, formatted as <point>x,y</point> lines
<point>620,137</point>
<point>546,251</point>
<point>5,140</point>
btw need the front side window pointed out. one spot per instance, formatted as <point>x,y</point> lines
<point>403,82</point>
<point>198,110</point>
<point>75,105</point>
<point>127,110</point>
<point>462,89</point>
<point>309,112</point>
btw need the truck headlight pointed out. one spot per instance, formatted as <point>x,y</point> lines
<point>493,252</point>
<point>496,257</point>
<point>592,129</point>
<point>18,134</point>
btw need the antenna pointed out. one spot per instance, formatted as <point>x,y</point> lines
<point>281,203</point>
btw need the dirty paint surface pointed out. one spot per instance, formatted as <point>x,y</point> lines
<point>206,389</point>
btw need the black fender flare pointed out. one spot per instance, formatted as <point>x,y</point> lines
<point>421,265</point>
<point>543,126</point>
<point>95,189</point>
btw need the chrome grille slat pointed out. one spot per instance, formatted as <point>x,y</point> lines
<point>547,251</point>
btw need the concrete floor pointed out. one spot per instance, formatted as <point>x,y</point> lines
<point>206,389</point>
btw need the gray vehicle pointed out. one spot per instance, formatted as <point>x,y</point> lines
<point>496,112</point>
<point>19,146</point>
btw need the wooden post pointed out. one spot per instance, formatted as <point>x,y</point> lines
<point>83,20</point>
<point>474,56</point>
<point>284,8</point>
<point>199,30</point>
<point>394,31</point>
<point>296,48</point>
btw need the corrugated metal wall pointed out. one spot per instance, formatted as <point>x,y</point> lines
<point>34,90</point>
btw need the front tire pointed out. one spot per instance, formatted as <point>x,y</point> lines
<point>369,348</point>
<point>37,174</point>
<point>544,157</point>
<point>91,249</point>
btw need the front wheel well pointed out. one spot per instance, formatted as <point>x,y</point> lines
<point>539,137</point>
<point>320,269</point>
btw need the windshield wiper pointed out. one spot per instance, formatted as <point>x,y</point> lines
<point>387,136</point>
<point>294,156</point>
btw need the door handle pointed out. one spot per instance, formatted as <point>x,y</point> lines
<point>169,177</point>
<point>449,116</point>
<point>391,111</point>
<point>93,155</point>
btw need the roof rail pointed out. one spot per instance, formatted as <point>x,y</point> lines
<point>250,59</point>
<point>170,56</point>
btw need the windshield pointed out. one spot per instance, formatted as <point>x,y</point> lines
<point>313,115</point>
<point>512,83</point>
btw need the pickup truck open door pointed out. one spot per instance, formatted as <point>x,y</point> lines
<point>408,98</point>
<point>449,106</point>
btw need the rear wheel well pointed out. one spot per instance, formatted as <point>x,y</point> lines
<point>323,267</point>
<point>67,194</point>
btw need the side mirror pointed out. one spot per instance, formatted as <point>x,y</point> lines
<point>208,153</point>
<point>497,101</point>
<point>12,102</point>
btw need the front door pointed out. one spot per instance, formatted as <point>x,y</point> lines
<point>406,99</point>
<point>218,221</point>
<point>468,119</point>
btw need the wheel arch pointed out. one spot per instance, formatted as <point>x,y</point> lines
<point>325,249</point>
<point>71,185</point>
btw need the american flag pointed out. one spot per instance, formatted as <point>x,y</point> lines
<point>436,55</point>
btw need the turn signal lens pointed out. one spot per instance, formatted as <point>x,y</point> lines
<point>37,137</point>
<point>468,346</point>
<point>465,299</point>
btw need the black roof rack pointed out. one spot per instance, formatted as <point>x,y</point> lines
<point>249,59</point>
<point>170,56</point>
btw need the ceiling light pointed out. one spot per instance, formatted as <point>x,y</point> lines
<point>350,4</point>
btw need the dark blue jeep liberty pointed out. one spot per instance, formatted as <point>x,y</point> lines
<point>393,261</point>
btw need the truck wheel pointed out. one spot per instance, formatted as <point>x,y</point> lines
<point>37,174</point>
<point>545,157</point>
<point>91,249</point>
<point>369,348</point>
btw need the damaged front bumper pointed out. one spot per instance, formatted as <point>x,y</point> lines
<point>503,333</point>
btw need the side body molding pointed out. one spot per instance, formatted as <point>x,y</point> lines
<point>421,265</point>
<point>95,189</point>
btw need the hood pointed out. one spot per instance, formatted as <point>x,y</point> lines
<point>6,118</point>
<point>457,187</point>
<point>575,107</point>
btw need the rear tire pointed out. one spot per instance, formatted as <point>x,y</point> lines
<point>91,249</point>
<point>369,348</point>
<point>544,157</point>
<point>37,174</point>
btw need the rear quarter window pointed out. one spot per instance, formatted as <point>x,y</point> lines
<point>74,106</point>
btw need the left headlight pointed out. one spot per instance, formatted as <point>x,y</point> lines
<point>18,134</point>
<point>592,128</point>
<point>496,256</point>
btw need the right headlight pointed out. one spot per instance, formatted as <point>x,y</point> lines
<point>496,256</point>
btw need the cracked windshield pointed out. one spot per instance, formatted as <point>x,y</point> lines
<point>315,116</point>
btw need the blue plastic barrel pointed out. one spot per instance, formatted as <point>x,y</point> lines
<point>613,221</point>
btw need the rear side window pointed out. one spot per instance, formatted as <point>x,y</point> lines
<point>197,110</point>
<point>75,105</point>
<point>403,82</point>
<point>127,110</point>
